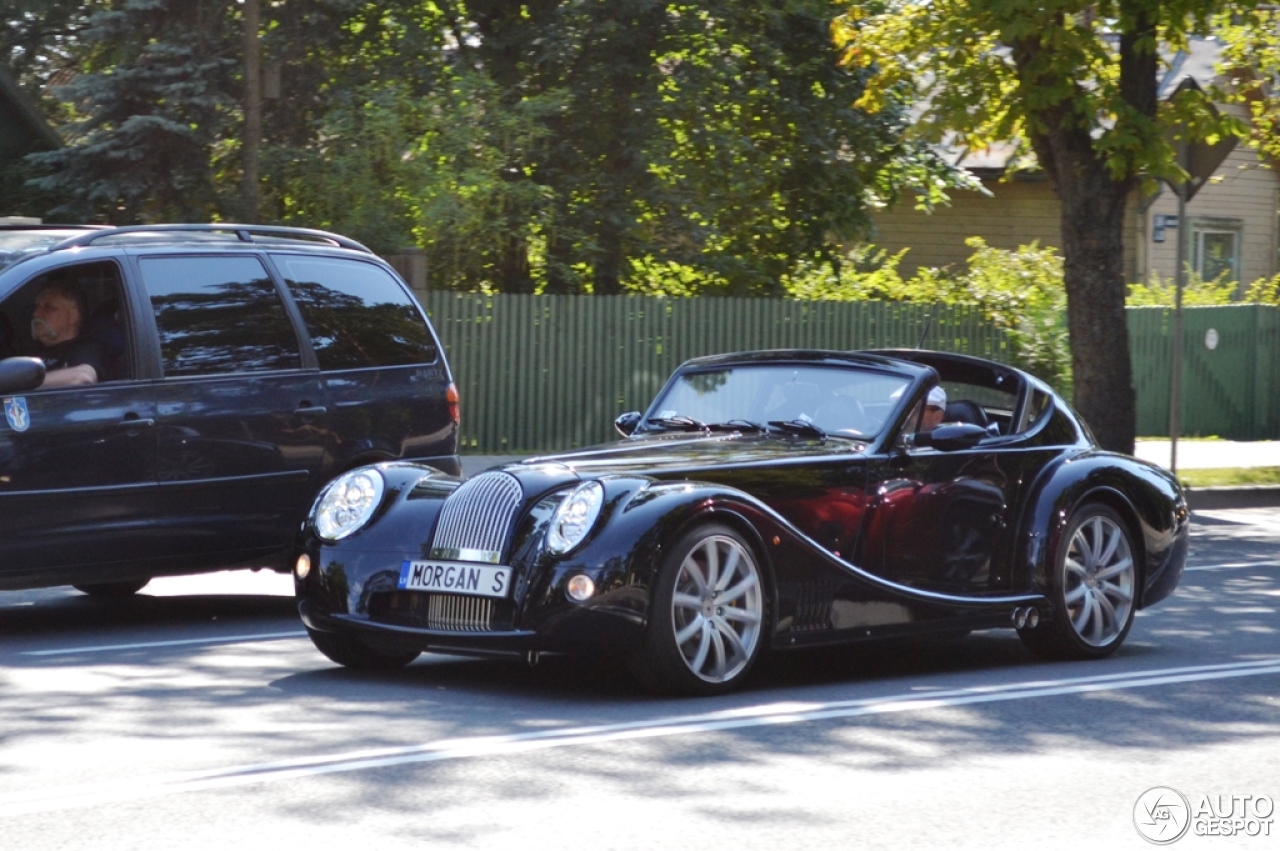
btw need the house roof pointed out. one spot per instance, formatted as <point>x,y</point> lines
<point>23,127</point>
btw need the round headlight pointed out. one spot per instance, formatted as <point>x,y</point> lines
<point>574,517</point>
<point>347,504</point>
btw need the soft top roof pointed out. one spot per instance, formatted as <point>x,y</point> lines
<point>873,360</point>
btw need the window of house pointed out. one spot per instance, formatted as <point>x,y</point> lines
<point>1215,248</point>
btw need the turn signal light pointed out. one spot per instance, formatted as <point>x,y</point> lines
<point>303,566</point>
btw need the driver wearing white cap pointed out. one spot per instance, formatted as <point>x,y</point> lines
<point>934,406</point>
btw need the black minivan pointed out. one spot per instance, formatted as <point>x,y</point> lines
<point>239,368</point>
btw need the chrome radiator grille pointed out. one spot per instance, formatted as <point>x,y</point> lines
<point>444,612</point>
<point>475,519</point>
<point>460,614</point>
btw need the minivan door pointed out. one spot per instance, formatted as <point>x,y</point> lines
<point>77,464</point>
<point>240,413</point>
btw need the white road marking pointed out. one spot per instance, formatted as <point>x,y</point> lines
<point>147,645</point>
<point>1233,565</point>
<point>125,789</point>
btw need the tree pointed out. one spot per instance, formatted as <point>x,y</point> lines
<point>39,37</point>
<point>548,145</point>
<point>151,100</point>
<point>718,136</point>
<point>1076,82</point>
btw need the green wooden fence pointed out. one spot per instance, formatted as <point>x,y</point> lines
<point>1231,390</point>
<point>541,373</point>
<point>552,372</point>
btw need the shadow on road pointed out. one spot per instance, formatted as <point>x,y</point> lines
<point>78,613</point>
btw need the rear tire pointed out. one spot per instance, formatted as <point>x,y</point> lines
<point>350,652</point>
<point>1093,588</point>
<point>708,615</point>
<point>109,590</point>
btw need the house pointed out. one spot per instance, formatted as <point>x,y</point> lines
<point>1233,218</point>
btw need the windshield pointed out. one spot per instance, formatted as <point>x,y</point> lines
<point>841,401</point>
<point>15,243</point>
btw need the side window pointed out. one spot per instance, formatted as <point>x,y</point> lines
<point>218,315</point>
<point>68,317</point>
<point>1037,408</point>
<point>356,313</point>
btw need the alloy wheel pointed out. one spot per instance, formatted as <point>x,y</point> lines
<point>1098,580</point>
<point>717,608</point>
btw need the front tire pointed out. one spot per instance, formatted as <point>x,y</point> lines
<point>708,615</point>
<point>350,652</point>
<point>1093,588</point>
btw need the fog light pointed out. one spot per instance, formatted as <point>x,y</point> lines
<point>303,567</point>
<point>580,588</point>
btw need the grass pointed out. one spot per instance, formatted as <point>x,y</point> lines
<point>1221,476</point>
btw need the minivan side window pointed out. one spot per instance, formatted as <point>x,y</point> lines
<point>218,315</point>
<point>96,288</point>
<point>358,315</point>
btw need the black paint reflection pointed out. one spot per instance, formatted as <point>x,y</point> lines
<point>218,315</point>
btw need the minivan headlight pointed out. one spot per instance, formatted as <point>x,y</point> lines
<point>347,503</point>
<point>574,517</point>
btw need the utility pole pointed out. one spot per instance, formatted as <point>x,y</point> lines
<point>250,200</point>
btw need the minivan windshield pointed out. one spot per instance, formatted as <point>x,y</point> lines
<point>15,244</point>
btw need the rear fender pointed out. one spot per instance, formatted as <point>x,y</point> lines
<point>1147,498</point>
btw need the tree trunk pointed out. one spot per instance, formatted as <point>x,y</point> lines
<point>1093,216</point>
<point>607,268</point>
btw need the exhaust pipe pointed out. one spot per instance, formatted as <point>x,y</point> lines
<point>1025,617</point>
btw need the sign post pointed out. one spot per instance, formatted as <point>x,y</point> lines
<point>1199,160</point>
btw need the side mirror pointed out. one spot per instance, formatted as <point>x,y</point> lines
<point>627,423</point>
<point>20,374</point>
<point>949,438</point>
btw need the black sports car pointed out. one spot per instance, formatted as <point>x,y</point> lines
<point>765,501</point>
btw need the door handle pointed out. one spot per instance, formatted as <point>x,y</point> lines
<point>134,421</point>
<point>310,410</point>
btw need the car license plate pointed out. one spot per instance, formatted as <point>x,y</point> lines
<point>453,578</point>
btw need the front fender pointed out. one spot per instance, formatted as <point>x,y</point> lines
<point>412,498</point>
<point>622,555</point>
<point>1148,497</point>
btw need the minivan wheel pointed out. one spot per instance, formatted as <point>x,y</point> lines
<point>112,589</point>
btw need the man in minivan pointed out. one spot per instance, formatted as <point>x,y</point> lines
<point>56,323</point>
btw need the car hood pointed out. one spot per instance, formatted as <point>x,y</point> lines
<point>682,455</point>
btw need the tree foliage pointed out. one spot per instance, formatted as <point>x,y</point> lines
<point>1075,83</point>
<point>151,100</point>
<point>546,145</point>
<point>1019,291</point>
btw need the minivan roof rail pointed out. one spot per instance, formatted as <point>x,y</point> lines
<point>245,233</point>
